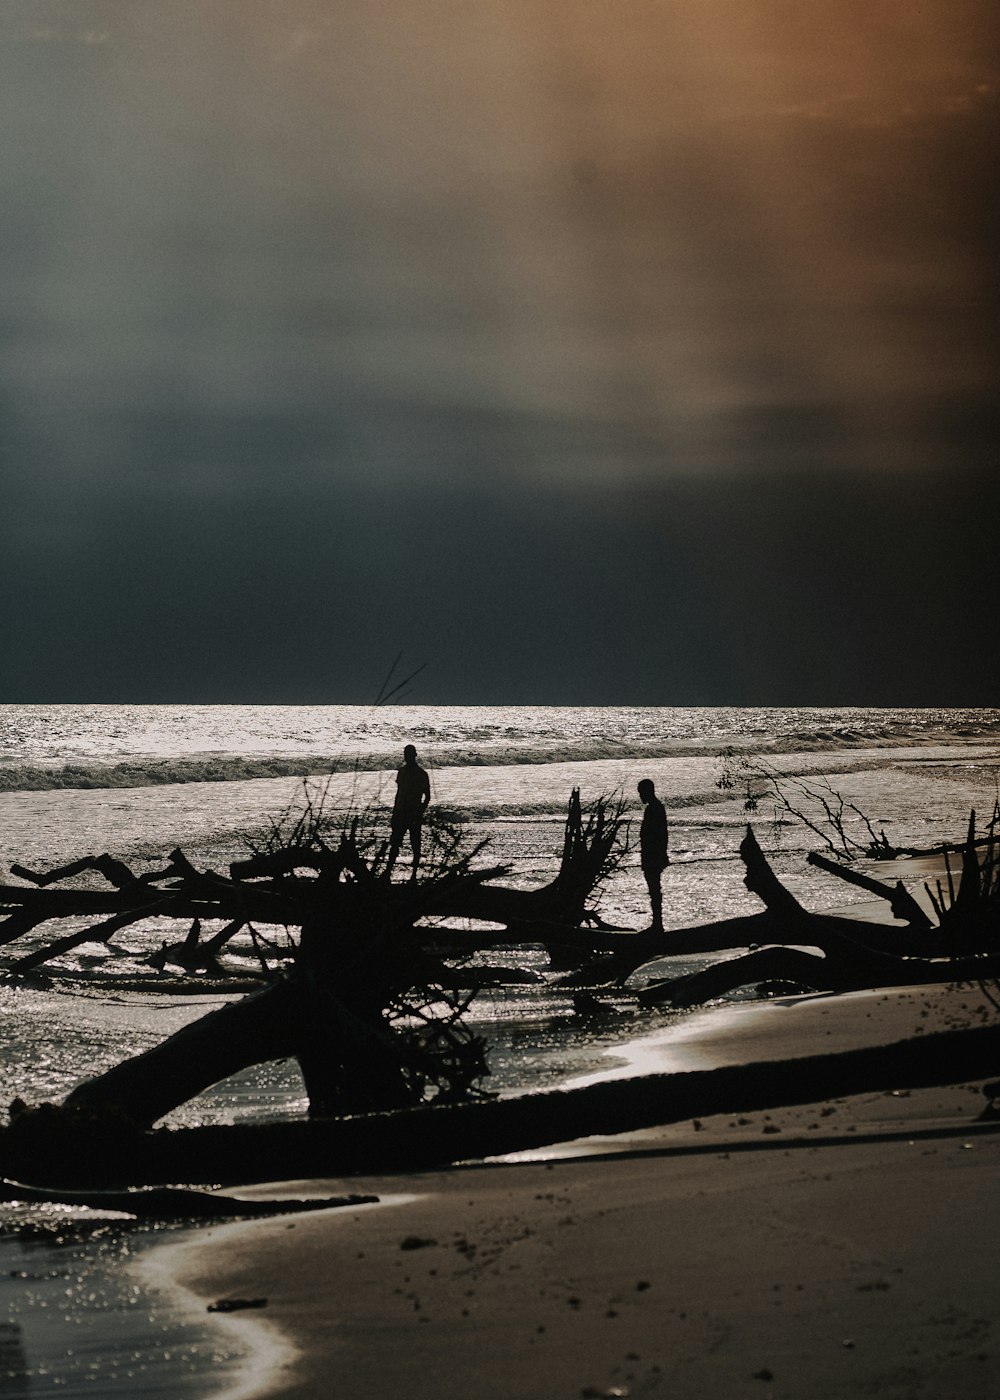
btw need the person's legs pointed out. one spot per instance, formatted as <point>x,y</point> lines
<point>653,878</point>
<point>396,835</point>
<point>415,847</point>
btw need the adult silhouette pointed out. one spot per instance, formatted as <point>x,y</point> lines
<point>653,841</point>
<point>413,794</point>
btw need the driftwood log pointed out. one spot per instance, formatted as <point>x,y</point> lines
<point>853,954</point>
<point>54,1149</point>
<point>372,996</point>
<point>289,886</point>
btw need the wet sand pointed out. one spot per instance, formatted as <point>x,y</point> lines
<point>835,1249</point>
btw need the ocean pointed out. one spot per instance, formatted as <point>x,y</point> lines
<point>136,781</point>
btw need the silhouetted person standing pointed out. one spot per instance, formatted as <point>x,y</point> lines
<point>413,794</point>
<point>653,857</point>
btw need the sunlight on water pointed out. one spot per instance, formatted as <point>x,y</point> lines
<point>83,1326</point>
<point>83,746</point>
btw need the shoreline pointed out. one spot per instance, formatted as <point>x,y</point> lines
<point>479,1283</point>
<point>259,1350</point>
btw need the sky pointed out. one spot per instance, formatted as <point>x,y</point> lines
<point>584,353</point>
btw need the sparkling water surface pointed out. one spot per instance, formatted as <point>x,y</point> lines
<point>133,745</point>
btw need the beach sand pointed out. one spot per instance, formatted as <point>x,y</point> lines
<point>839,1249</point>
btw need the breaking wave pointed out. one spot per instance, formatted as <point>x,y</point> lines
<point>484,749</point>
<point>161,772</point>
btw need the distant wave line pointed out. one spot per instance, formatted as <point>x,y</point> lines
<point>151,771</point>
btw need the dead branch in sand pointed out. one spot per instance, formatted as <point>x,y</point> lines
<point>812,801</point>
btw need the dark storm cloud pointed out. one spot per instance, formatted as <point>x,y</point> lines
<point>602,355</point>
<point>820,588</point>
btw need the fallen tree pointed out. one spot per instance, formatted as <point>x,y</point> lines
<point>289,882</point>
<point>367,991</point>
<point>58,1149</point>
<point>964,946</point>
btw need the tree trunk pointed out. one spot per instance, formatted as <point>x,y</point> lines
<point>53,1151</point>
<point>265,1025</point>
